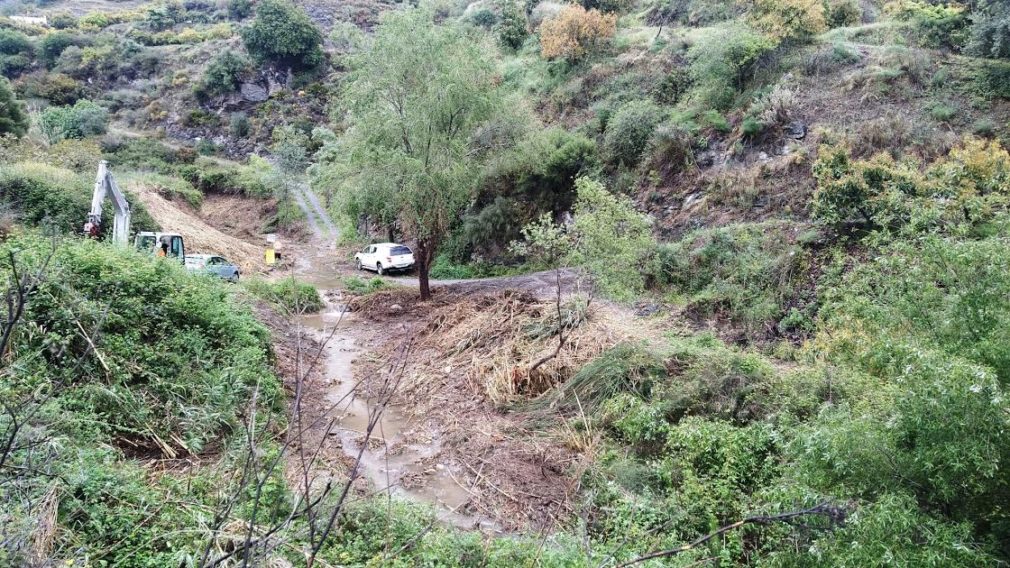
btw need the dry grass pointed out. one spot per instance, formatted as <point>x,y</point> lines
<point>46,526</point>
<point>496,340</point>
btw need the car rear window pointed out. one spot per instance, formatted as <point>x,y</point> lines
<point>399,250</point>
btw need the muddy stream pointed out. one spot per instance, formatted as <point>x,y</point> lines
<point>398,449</point>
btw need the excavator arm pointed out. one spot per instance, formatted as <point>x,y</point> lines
<point>105,186</point>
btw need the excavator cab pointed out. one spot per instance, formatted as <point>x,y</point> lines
<point>169,245</point>
<point>160,244</point>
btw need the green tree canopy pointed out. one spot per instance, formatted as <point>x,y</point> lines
<point>13,118</point>
<point>421,95</point>
<point>284,35</point>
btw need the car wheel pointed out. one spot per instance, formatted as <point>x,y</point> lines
<point>379,269</point>
<point>359,265</point>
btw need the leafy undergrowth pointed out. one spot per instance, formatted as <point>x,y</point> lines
<point>42,194</point>
<point>121,358</point>
<point>361,286</point>
<point>756,277</point>
<point>444,269</point>
<point>895,414</point>
<point>289,295</point>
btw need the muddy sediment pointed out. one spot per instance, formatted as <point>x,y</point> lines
<point>402,455</point>
<point>447,437</point>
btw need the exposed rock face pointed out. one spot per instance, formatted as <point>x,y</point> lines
<point>253,92</point>
<point>796,130</point>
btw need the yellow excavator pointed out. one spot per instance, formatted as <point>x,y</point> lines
<point>169,245</point>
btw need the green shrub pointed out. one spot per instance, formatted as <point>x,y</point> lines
<point>992,79</point>
<point>16,52</point>
<point>787,20</point>
<point>925,318</point>
<point>962,192</point>
<point>63,21</point>
<point>721,454</point>
<point>73,155</point>
<point>893,527</point>
<point>240,9</point>
<point>628,132</point>
<point>166,186</point>
<point>829,59</point>
<point>13,118</point>
<point>610,240</point>
<point>606,6</point>
<point>990,31</point>
<point>694,13</point>
<point>283,35</point>
<point>751,127</point>
<point>942,112</point>
<point>52,45</point>
<point>984,127</point>
<point>110,57</point>
<point>138,358</point>
<point>164,16</point>
<point>512,27</point>
<point>56,88</point>
<point>81,120</point>
<point>290,295</point>
<point>484,17</point>
<point>937,25</point>
<point>361,287</point>
<point>716,120</point>
<point>715,381</point>
<point>540,171</point>
<point>291,148</point>
<point>200,117</point>
<point>258,178</point>
<point>749,273</point>
<point>671,149</point>
<point>41,194</point>
<point>223,74</point>
<point>723,60</point>
<point>841,13</point>
<point>238,125</point>
<point>14,65</point>
<point>144,154</point>
<point>869,191</point>
<point>13,42</point>
<point>673,86</point>
<point>624,368</point>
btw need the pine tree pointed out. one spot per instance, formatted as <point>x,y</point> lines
<point>13,118</point>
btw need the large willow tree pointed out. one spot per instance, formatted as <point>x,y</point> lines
<point>418,99</point>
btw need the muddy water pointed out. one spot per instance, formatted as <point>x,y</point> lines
<point>398,449</point>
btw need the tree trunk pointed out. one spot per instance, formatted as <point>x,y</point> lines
<point>423,259</point>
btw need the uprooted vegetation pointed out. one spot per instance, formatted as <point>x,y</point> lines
<point>475,355</point>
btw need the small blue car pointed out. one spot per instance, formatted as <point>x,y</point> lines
<point>214,264</point>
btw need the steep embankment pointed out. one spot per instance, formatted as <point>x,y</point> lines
<point>200,236</point>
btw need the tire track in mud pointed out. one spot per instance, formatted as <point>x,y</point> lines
<point>318,219</point>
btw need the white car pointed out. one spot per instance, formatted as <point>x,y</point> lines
<point>385,257</point>
<point>213,264</point>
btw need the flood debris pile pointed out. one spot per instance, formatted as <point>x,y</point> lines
<point>474,384</point>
